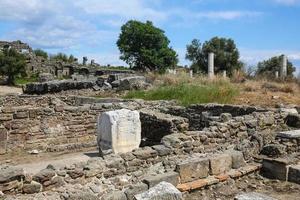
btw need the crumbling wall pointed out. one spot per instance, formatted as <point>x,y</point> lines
<point>48,124</point>
<point>68,122</point>
<point>199,115</point>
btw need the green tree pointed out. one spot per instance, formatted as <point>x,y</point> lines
<point>145,47</point>
<point>40,52</point>
<point>72,59</point>
<point>269,67</point>
<point>59,57</point>
<point>225,50</point>
<point>63,57</point>
<point>12,64</point>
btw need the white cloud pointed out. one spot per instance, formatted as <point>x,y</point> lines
<point>129,9</point>
<point>77,25</point>
<point>287,2</point>
<point>227,15</point>
<point>252,56</point>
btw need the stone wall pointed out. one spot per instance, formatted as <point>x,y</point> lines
<point>65,123</point>
<point>221,147</point>
<point>47,124</point>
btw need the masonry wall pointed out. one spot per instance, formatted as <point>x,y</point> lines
<point>47,124</point>
<point>62,123</point>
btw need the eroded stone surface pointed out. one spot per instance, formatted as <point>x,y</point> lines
<point>162,191</point>
<point>119,130</point>
<point>193,169</point>
<point>289,134</point>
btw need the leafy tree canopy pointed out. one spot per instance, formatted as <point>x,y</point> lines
<point>225,50</point>
<point>145,47</point>
<point>269,67</point>
<point>12,64</point>
<point>40,52</point>
<point>63,57</point>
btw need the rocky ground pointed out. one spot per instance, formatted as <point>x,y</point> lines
<point>253,183</point>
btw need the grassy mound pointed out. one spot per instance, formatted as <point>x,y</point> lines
<point>193,91</point>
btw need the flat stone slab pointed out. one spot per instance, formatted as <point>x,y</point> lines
<point>253,196</point>
<point>294,134</point>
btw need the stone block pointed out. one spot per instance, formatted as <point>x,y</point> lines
<point>293,120</point>
<point>145,153</point>
<point>276,168</point>
<point>162,191</point>
<point>33,187</point>
<point>21,115</point>
<point>119,130</point>
<point>44,175</point>
<point>294,174</point>
<point>237,158</point>
<point>193,169</point>
<point>162,150</point>
<point>6,117</point>
<point>3,140</point>
<point>220,164</point>
<point>114,195</point>
<point>170,177</point>
<point>294,134</point>
<point>135,189</point>
<point>11,174</point>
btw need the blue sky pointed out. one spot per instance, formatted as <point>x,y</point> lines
<point>260,28</point>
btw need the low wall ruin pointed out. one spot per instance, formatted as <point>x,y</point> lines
<point>225,144</point>
<point>65,123</point>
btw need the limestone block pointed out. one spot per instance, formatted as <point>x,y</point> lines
<point>170,177</point>
<point>294,134</point>
<point>294,174</point>
<point>135,189</point>
<point>162,191</point>
<point>3,140</point>
<point>11,174</point>
<point>220,164</point>
<point>119,130</point>
<point>237,158</point>
<point>193,169</point>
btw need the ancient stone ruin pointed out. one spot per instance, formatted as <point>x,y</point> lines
<point>158,150</point>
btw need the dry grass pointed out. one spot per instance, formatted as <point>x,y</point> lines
<point>268,93</point>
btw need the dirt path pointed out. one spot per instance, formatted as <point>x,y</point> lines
<point>39,162</point>
<point>5,90</point>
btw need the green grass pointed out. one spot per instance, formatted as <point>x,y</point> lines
<point>187,94</point>
<point>25,80</point>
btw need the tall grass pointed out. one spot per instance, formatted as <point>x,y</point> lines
<point>187,91</point>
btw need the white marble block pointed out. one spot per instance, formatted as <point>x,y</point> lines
<point>119,130</point>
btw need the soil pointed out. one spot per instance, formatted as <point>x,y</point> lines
<point>33,163</point>
<point>279,190</point>
<point>6,90</point>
